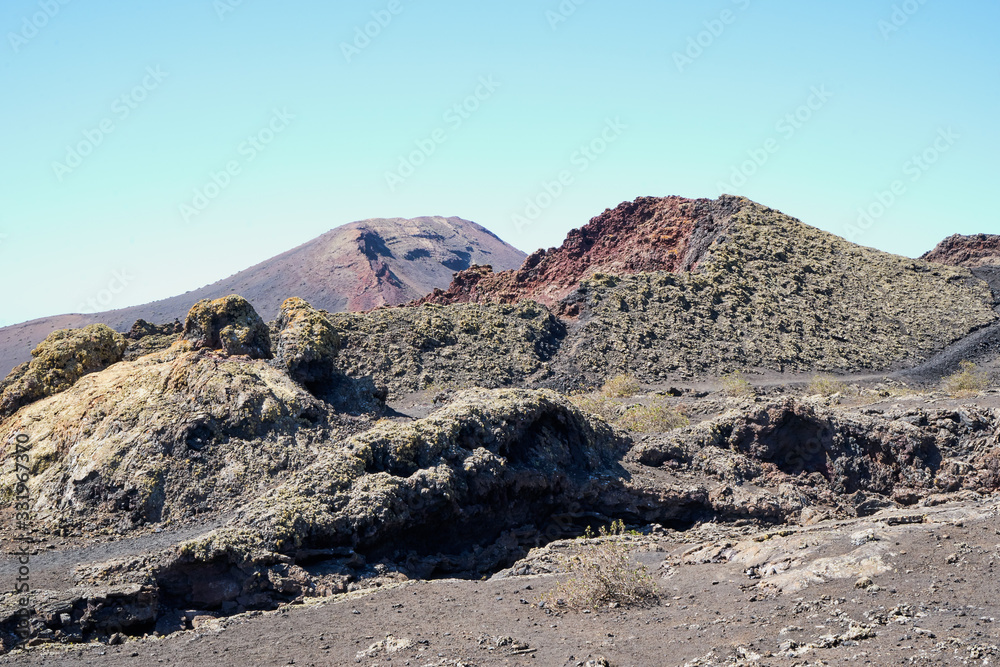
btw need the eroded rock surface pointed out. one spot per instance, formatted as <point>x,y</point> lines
<point>977,250</point>
<point>58,362</point>
<point>229,324</point>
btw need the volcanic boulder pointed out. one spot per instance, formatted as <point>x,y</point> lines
<point>58,362</point>
<point>164,437</point>
<point>229,324</point>
<point>145,338</point>
<point>307,343</point>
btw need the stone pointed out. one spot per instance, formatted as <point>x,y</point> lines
<point>229,324</point>
<point>307,343</point>
<point>58,363</point>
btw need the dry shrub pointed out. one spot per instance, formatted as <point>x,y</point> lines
<point>621,386</point>
<point>824,385</point>
<point>736,385</point>
<point>969,380</point>
<point>654,418</point>
<point>604,574</point>
<point>598,405</point>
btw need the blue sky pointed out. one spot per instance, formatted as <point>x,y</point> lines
<point>162,146</point>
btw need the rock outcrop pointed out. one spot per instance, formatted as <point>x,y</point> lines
<point>229,324</point>
<point>465,345</point>
<point>977,250</point>
<point>58,363</point>
<point>307,343</point>
<point>145,338</point>
<point>163,438</point>
<point>469,489</point>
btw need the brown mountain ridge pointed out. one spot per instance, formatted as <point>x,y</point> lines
<point>354,267</point>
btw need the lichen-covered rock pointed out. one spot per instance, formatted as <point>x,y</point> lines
<point>58,362</point>
<point>307,342</point>
<point>779,295</point>
<point>145,338</point>
<point>229,324</point>
<point>460,346</point>
<point>859,461</point>
<point>141,329</point>
<point>462,479</point>
<point>165,437</point>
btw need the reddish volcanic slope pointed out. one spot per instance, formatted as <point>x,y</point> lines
<point>358,266</point>
<point>648,234</point>
<point>968,251</point>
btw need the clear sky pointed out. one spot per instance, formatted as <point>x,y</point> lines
<point>159,146</point>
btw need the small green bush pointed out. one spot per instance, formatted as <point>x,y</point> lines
<point>969,380</point>
<point>621,386</point>
<point>736,385</point>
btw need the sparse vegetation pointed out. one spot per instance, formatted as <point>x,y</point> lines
<point>605,574</point>
<point>969,380</point>
<point>736,385</point>
<point>652,418</point>
<point>824,385</point>
<point>607,409</point>
<point>621,386</point>
<point>656,417</point>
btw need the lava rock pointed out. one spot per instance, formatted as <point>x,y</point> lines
<point>229,324</point>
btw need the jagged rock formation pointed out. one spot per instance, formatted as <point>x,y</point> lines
<point>465,345</point>
<point>470,488</point>
<point>203,423</point>
<point>58,362</point>
<point>858,462</point>
<point>971,252</point>
<point>229,324</point>
<point>650,234</point>
<point>145,338</point>
<point>355,267</point>
<point>307,342</point>
<point>164,437</point>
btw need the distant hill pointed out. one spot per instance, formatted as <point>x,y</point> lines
<point>659,286</point>
<point>355,267</point>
